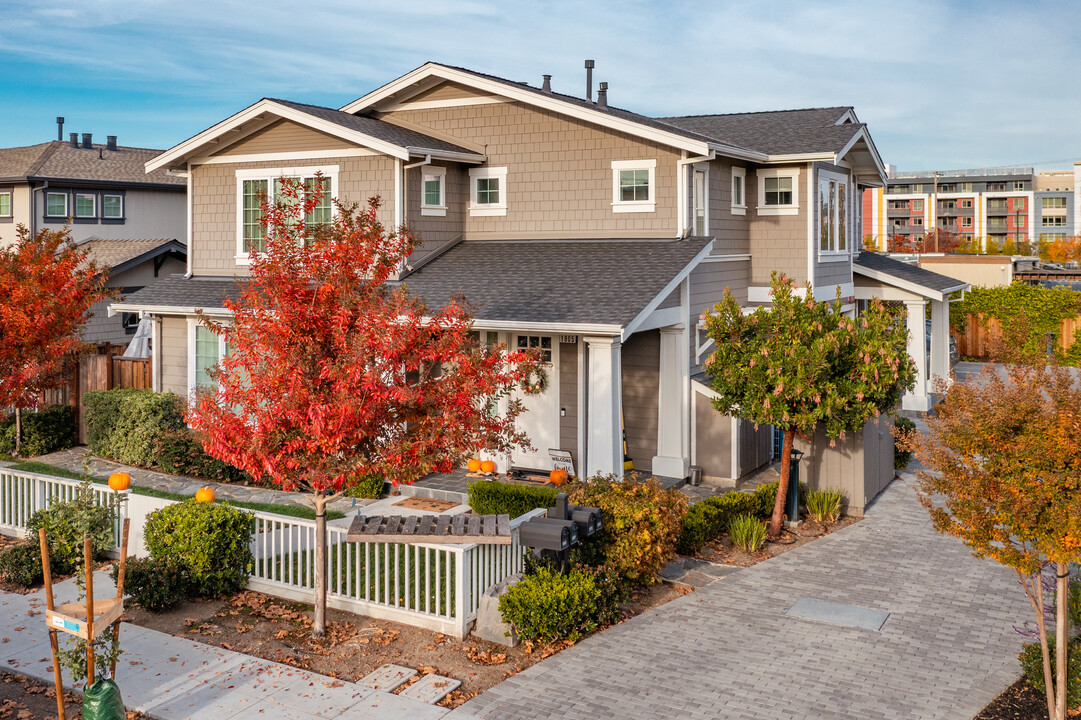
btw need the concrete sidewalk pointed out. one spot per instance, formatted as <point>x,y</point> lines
<point>174,678</point>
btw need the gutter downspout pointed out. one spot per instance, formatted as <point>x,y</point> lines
<point>681,189</point>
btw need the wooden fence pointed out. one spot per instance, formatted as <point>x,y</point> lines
<point>975,341</point>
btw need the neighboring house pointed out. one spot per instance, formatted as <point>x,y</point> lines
<point>132,222</point>
<point>996,205</point>
<point>595,234</point>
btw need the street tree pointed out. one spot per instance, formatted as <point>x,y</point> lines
<point>334,375</point>
<point>1003,459</point>
<point>49,286</point>
<point>801,363</point>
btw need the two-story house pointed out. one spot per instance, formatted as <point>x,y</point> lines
<point>129,221</point>
<point>595,234</point>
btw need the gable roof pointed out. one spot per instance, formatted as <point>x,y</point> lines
<point>905,275</point>
<point>368,132</point>
<point>119,255</point>
<point>782,132</point>
<point>58,160</point>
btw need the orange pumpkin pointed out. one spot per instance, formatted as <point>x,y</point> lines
<point>119,481</point>
<point>487,467</point>
<point>204,495</point>
<point>474,465</point>
<point>558,477</point>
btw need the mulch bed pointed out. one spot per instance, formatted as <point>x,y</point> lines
<point>429,504</point>
<point>722,551</point>
<point>1019,701</point>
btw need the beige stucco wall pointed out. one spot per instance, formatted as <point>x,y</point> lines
<point>174,354</point>
<point>559,171</point>
<point>20,213</point>
<point>214,203</point>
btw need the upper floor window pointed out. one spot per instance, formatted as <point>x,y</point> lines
<point>1052,203</point>
<point>255,186</point>
<point>701,200</point>
<point>112,206</point>
<point>1018,203</point>
<point>778,191</point>
<point>966,203</point>
<point>5,203</point>
<point>739,191</point>
<point>1018,185</point>
<point>84,205</point>
<point>966,187</point>
<point>917,206</point>
<point>996,186</point>
<point>832,214</point>
<point>56,204</point>
<point>433,190</point>
<point>634,185</point>
<point>1054,221</point>
<point>488,191</point>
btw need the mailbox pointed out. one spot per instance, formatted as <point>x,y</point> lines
<point>588,519</point>
<point>548,534</point>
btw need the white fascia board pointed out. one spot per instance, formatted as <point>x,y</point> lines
<point>546,327</point>
<point>800,158</point>
<point>862,134</point>
<point>528,97</point>
<point>115,308</point>
<point>188,147</point>
<point>850,115</point>
<point>667,290</point>
<point>737,152</point>
<point>920,290</point>
<point>448,155</point>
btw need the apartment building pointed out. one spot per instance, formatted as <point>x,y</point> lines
<point>992,205</point>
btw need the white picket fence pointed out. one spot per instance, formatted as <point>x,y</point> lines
<point>433,586</point>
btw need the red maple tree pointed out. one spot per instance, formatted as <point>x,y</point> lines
<point>48,289</point>
<point>333,374</point>
<point>934,241</point>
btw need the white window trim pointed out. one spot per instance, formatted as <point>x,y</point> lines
<point>629,206</point>
<point>739,208</point>
<point>11,203</point>
<point>430,171</point>
<point>93,202</point>
<point>193,323</point>
<point>476,209</point>
<point>66,209</point>
<point>791,209</point>
<point>832,255</point>
<point>704,169</point>
<point>270,175</point>
<point>112,217</point>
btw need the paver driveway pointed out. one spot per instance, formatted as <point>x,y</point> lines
<point>728,651</point>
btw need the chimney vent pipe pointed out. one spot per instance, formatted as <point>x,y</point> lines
<point>59,128</point>
<point>88,141</point>
<point>73,138</point>
<point>602,95</point>
<point>546,86</point>
<point>111,142</point>
<point>589,79</point>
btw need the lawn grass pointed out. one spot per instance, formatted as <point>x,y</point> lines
<point>290,510</point>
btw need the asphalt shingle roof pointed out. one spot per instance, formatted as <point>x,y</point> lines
<point>112,253</point>
<point>776,133</point>
<point>180,292</point>
<point>566,281</point>
<point>58,160</point>
<point>905,271</point>
<point>379,129</point>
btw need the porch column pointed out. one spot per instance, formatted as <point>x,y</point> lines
<point>917,398</point>
<point>671,459</point>
<point>604,434</point>
<point>940,341</point>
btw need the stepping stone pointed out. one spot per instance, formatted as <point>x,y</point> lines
<point>387,677</point>
<point>430,688</point>
<point>842,614</point>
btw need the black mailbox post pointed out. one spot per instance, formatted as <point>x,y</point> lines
<point>561,530</point>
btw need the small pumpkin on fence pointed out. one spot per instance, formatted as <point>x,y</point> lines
<point>119,481</point>
<point>487,467</point>
<point>474,465</point>
<point>204,495</point>
<point>558,477</point>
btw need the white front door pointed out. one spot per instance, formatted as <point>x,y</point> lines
<point>540,419</point>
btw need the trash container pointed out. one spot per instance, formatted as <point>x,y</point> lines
<point>696,475</point>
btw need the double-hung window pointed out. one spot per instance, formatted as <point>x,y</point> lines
<point>112,206</point>
<point>634,186</point>
<point>259,185</point>
<point>56,204</point>
<point>85,205</point>
<point>488,191</point>
<point>832,214</point>
<point>778,191</point>
<point>433,190</point>
<point>739,191</point>
<point>5,204</point>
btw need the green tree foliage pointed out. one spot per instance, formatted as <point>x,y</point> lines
<point>800,363</point>
<point>1035,310</point>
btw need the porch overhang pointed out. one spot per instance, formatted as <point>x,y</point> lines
<point>901,279</point>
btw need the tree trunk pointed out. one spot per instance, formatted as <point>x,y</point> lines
<point>1062,612</point>
<point>18,430</point>
<point>1041,626</point>
<point>319,625</point>
<point>782,485</point>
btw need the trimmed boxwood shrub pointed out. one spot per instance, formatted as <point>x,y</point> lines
<point>209,540</point>
<point>490,497</point>
<point>180,452</point>
<point>155,584</point>
<point>369,486</point>
<point>124,424</point>
<point>1031,659</point>
<point>766,496</point>
<point>548,606</point>
<point>44,431</point>
<point>641,525</point>
<point>709,518</point>
<point>21,564</point>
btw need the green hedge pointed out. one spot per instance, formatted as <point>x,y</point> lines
<point>209,540</point>
<point>548,606</point>
<point>710,518</point>
<point>155,584</point>
<point>179,452</point>
<point>21,564</point>
<point>126,424</point>
<point>488,497</point>
<point>44,431</point>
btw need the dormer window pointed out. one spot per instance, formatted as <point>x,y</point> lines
<point>488,191</point>
<point>433,200</point>
<point>634,185</point>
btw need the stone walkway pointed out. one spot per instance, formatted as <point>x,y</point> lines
<point>729,651</point>
<point>73,458</point>
<point>173,678</point>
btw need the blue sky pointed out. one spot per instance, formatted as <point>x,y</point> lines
<point>942,85</point>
